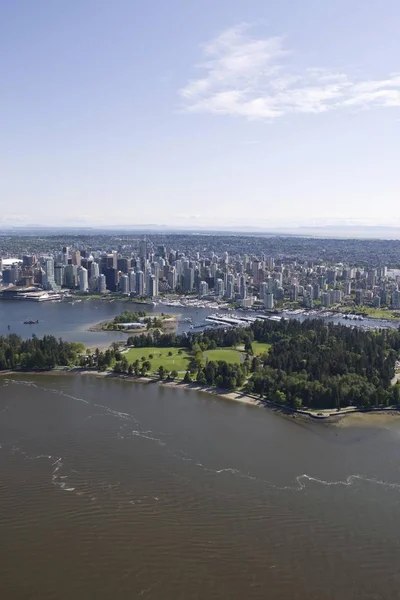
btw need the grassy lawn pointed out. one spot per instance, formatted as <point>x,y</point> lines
<point>260,347</point>
<point>177,362</point>
<point>370,311</point>
<point>229,355</point>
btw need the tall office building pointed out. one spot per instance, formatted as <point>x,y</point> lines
<point>294,292</point>
<point>124,264</point>
<point>242,287</point>
<point>111,279</point>
<point>269,301</point>
<point>256,271</point>
<point>48,279</point>
<point>83,279</point>
<point>372,277</point>
<point>219,288</point>
<point>132,282</point>
<point>143,248</point>
<point>153,287</point>
<point>101,284</point>
<point>263,290</point>
<point>172,278</point>
<point>76,258</point>
<point>71,276</point>
<point>188,280</point>
<point>360,297</point>
<point>269,263</point>
<point>124,284</point>
<point>59,274</point>
<point>332,274</point>
<point>94,271</point>
<point>140,283</point>
<point>230,286</point>
<point>396,299</point>
<point>347,288</point>
<point>65,255</point>
<point>203,288</point>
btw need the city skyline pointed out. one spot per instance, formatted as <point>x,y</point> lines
<point>250,116</point>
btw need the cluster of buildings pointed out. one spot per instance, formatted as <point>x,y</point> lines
<point>245,279</point>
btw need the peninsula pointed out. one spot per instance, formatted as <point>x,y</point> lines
<point>310,367</point>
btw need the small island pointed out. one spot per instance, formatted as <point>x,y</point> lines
<point>136,322</point>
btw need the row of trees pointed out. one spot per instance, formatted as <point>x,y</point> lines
<point>34,353</point>
<point>129,317</point>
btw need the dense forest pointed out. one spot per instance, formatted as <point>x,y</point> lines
<point>311,363</point>
<point>34,353</point>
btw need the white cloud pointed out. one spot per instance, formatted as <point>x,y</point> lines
<point>248,77</point>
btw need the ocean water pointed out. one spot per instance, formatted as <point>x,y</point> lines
<point>114,489</point>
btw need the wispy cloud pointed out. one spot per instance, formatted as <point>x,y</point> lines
<point>251,77</point>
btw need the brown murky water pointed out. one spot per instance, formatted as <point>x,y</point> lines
<point>116,490</point>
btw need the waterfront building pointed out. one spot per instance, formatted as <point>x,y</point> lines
<point>101,284</point>
<point>48,280</point>
<point>203,289</point>
<point>396,299</point>
<point>269,301</point>
<point>83,279</point>
<point>132,282</point>
<point>376,302</point>
<point>111,279</point>
<point>153,287</point>
<point>124,284</point>
<point>219,288</point>
<point>140,283</point>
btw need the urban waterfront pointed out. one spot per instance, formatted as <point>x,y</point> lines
<point>117,489</point>
<point>71,321</point>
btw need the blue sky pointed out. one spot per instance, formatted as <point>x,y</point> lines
<point>199,112</point>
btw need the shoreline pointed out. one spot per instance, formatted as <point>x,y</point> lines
<point>356,416</point>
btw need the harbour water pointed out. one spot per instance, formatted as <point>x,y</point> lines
<point>112,489</point>
<point>72,321</point>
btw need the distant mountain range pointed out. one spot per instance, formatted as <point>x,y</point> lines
<point>331,231</point>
